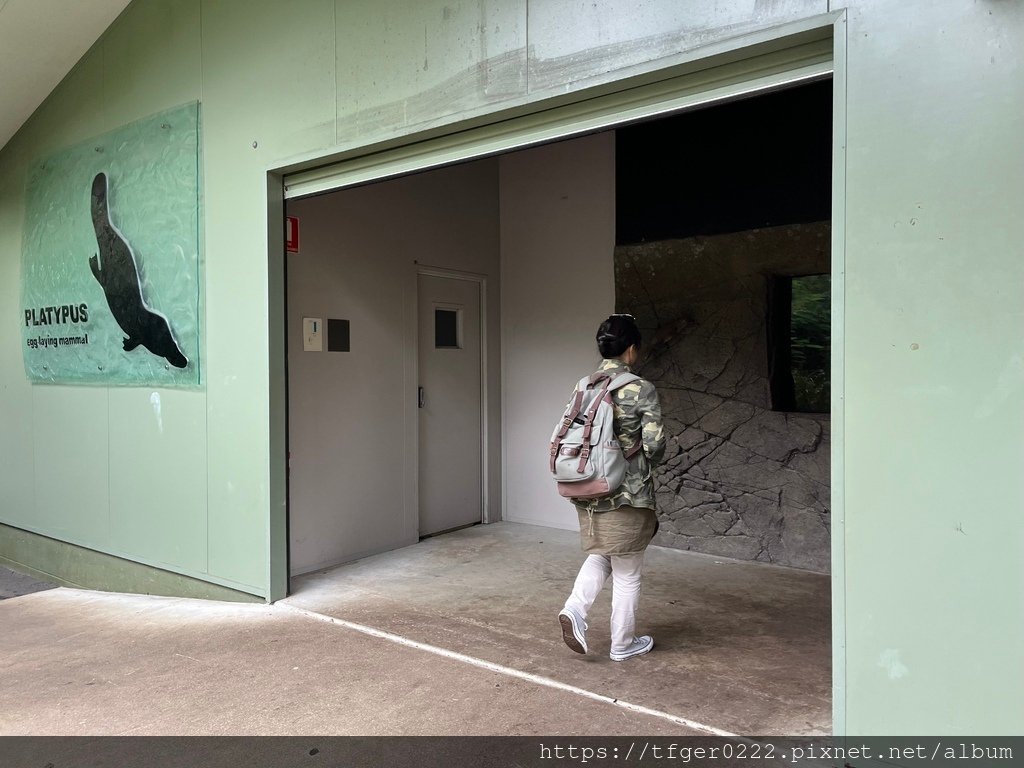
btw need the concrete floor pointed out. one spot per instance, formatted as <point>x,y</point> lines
<point>742,648</point>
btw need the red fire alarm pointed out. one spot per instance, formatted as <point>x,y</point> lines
<point>291,234</point>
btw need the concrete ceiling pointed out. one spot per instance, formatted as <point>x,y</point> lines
<point>40,41</point>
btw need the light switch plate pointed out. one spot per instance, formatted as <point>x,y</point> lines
<point>313,334</point>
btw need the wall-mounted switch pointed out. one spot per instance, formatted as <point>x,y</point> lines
<point>313,334</point>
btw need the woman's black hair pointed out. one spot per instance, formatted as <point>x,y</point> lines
<point>617,334</point>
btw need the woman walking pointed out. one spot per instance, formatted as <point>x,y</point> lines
<point>616,529</point>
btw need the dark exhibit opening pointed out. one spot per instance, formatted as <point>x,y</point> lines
<point>759,162</point>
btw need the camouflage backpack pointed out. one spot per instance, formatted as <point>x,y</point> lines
<point>587,461</point>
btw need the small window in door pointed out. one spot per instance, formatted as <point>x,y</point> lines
<point>447,326</point>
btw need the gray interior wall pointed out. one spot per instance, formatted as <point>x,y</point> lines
<point>557,277</point>
<point>739,479</point>
<point>352,415</point>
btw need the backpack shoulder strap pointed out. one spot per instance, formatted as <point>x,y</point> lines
<point>600,377</point>
<point>622,380</point>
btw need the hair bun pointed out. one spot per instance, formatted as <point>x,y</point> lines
<point>616,335</point>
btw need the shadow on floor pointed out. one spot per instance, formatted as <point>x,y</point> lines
<point>14,584</point>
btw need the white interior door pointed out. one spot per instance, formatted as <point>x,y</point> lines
<point>450,469</point>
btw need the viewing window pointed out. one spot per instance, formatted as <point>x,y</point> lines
<point>799,343</point>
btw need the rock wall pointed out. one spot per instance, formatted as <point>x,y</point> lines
<point>739,480</point>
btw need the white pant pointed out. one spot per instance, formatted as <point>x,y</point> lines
<point>625,572</point>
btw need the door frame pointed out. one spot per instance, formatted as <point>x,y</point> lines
<point>427,270</point>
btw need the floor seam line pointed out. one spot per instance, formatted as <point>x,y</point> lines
<point>510,671</point>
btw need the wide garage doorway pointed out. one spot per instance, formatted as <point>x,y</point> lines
<point>436,320</point>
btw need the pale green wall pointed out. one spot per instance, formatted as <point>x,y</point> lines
<point>92,465</point>
<point>935,367</point>
<point>86,464</point>
<point>929,615</point>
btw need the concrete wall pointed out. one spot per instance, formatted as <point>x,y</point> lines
<point>929,115</point>
<point>739,479</point>
<point>352,415</point>
<point>557,279</point>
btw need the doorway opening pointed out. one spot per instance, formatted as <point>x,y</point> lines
<point>526,222</point>
<point>719,215</point>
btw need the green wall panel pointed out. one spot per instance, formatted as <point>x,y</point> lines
<point>238,417</point>
<point>268,79</point>
<point>402,64</point>
<point>71,464</point>
<point>151,59</point>
<point>17,436</point>
<point>73,566</point>
<point>72,113</point>
<point>284,104</point>
<point>158,477</point>
<point>934,372</point>
<point>596,40</point>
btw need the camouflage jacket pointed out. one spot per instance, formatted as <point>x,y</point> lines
<point>637,419</point>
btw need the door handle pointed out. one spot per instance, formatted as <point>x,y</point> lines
<point>421,397</point>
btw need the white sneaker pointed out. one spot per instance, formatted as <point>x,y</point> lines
<point>574,629</point>
<point>638,647</point>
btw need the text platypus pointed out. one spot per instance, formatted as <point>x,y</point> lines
<point>115,270</point>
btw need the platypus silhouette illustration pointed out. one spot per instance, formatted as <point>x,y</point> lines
<point>115,270</point>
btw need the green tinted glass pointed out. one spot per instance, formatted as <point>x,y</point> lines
<point>110,272</point>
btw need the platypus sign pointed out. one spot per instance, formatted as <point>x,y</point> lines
<point>115,270</point>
